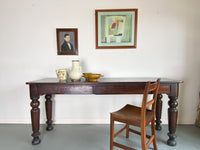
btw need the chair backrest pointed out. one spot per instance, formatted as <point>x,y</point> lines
<point>150,88</point>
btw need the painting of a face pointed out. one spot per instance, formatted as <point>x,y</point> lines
<point>67,41</point>
<point>67,38</point>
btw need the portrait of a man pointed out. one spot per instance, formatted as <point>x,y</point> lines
<point>67,41</point>
<point>67,45</point>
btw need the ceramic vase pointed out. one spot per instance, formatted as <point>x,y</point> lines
<point>76,72</point>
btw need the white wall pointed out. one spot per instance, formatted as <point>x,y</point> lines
<point>168,46</point>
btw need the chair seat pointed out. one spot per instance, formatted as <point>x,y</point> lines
<point>132,115</point>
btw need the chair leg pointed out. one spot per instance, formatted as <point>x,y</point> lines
<point>127,130</point>
<point>143,137</point>
<point>111,132</point>
<point>154,133</point>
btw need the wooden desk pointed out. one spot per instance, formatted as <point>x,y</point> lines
<point>49,86</point>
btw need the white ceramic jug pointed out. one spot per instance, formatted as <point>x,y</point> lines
<point>76,72</point>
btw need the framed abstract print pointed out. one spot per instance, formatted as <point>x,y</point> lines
<point>67,41</point>
<point>116,28</point>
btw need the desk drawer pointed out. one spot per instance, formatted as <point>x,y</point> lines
<point>64,89</point>
<point>127,89</point>
<point>119,89</point>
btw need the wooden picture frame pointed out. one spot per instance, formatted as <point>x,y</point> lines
<point>67,41</point>
<point>116,28</point>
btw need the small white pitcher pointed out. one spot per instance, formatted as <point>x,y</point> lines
<point>62,74</point>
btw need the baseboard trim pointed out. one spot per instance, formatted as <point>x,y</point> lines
<point>56,121</point>
<point>72,121</point>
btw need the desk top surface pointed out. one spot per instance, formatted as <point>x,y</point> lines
<point>103,80</point>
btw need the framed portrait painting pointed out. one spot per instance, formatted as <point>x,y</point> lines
<point>116,28</point>
<point>67,41</point>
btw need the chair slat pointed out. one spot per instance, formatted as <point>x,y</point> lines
<point>149,103</point>
<point>152,87</point>
<point>116,134</point>
<point>122,146</point>
<point>150,140</point>
<point>137,132</point>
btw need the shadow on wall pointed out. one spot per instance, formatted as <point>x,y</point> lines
<point>189,98</point>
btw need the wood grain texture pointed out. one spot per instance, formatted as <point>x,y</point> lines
<point>52,86</point>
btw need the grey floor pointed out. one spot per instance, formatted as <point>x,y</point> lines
<point>90,137</point>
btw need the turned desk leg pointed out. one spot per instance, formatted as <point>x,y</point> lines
<point>35,118</point>
<point>172,119</point>
<point>48,105</point>
<point>158,112</point>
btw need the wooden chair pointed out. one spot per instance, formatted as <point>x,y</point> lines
<point>137,116</point>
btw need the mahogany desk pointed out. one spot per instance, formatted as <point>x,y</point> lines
<point>49,86</point>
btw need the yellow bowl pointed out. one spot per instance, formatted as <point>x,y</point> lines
<point>85,75</point>
<point>92,77</point>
